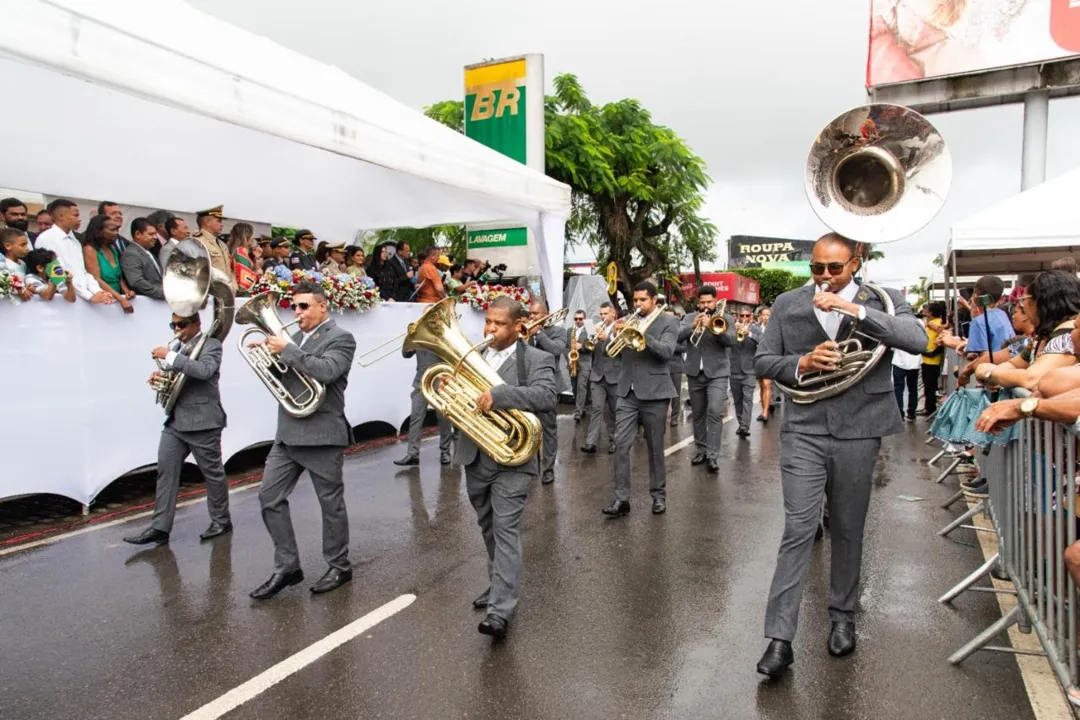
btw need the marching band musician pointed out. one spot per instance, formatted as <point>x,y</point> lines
<point>828,446</point>
<point>551,340</point>
<point>645,391</point>
<point>603,382</point>
<point>676,368</point>
<point>743,381</point>
<point>424,360</point>
<point>707,370</point>
<point>499,492</point>
<point>194,427</point>
<point>576,337</point>
<point>315,443</point>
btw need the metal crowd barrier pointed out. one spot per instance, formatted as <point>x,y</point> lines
<point>1033,508</point>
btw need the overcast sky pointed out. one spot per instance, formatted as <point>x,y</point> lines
<point>748,87</point>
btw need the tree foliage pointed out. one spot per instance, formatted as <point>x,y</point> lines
<point>772,282</point>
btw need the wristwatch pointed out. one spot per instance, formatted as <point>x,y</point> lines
<point>1028,406</point>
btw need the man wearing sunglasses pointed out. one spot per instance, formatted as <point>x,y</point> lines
<point>193,428</point>
<point>316,443</point>
<point>743,380</point>
<point>828,447</point>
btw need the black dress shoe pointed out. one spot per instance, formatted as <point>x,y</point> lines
<point>713,467</point>
<point>277,583</point>
<point>842,638</point>
<point>659,507</point>
<point>547,478</point>
<point>445,458</point>
<point>674,420</point>
<point>743,430</point>
<point>777,658</point>
<point>577,418</point>
<point>332,580</point>
<point>820,532</point>
<point>697,459</point>
<point>588,449</point>
<point>408,460</point>
<point>617,508</point>
<point>147,536</point>
<point>482,601</point>
<point>216,529</point>
<point>494,626</point>
<point>611,449</point>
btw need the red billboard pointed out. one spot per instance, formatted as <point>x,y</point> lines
<point>729,286</point>
<point>913,40</point>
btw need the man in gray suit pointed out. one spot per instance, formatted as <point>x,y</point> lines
<point>552,341</point>
<point>498,492</point>
<point>603,383</point>
<point>828,447</point>
<point>137,261</point>
<point>645,390</point>
<point>676,367</point>
<point>193,428</point>
<point>577,336</point>
<point>743,380</point>
<point>316,443</point>
<point>424,360</point>
<point>707,368</point>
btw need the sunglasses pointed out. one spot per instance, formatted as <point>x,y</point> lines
<point>835,268</point>
<point>300,306</point>
<point>179,324</point>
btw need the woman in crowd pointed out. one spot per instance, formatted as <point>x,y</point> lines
<point>381,272</point>
<point>354,261</point>
<point>241,246</point>
<point>103,261</point>
<point>934,316</point>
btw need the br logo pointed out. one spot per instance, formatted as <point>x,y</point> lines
<point>495,101</point>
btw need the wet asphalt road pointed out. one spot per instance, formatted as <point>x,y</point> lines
<point>642,617</point>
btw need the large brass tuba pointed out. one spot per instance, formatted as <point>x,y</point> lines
<point>875,174</point>
<point>298,394</point>
<point>186,281</point>
<point>509,437</point>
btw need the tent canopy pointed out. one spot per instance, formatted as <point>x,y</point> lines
<point>1024,233</point>
<point>234,118</point>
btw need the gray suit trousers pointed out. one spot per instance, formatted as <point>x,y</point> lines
<point>742,392</point>
<point>549,421</point>
<point>416,426</point>
<point>173,449</point>
<point>653,416</point>
<point>284,465</point>
<point>603,395</point>
<point>581,385</point>
<point>499,497</point>
<point>707,399</point>
<point>676,402</point>
<point>814,468</point>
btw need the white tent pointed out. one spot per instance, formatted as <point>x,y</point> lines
<point>184,111</point>
<point>1024,233</point>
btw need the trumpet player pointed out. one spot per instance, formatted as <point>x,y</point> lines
<point>747,336</point>
<point>603,382</point>
<point>551,340</point>
<point>828,446</point>
<point>315,443</point>
<point>645,391</point>
<point>193,428</point>
<point>497,492</point>
<point>577,337</point>
<point>707,370</point>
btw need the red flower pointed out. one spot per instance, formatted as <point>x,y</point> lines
<point>283,303</point>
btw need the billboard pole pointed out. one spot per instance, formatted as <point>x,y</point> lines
<point>1033,157</point>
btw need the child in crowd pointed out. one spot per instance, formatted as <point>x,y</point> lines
<point>15,245</point>
<point>45,278</point>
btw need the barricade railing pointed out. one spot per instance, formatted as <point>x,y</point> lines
<point>1032,506</point>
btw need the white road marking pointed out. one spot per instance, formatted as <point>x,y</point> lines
<point>294,663</point>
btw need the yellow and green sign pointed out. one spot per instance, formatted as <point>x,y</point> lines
<point>505,237</point>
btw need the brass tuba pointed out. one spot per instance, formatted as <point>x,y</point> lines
<point>633,333</point>
<point>875,174</point>
<point>298,394</point>
<point>187,280</point>
<point>509,437</point>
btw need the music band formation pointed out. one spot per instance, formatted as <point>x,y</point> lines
<point>823,349</point>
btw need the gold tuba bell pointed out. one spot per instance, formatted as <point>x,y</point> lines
<point>509,437</point>
<point>297,393</point>
<point>875,174</point>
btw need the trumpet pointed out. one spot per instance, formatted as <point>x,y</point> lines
<point>548,321</point>
<point>590,344</point>
<point>717,324</point>
<point>633,333</point>
<point>741,331</point>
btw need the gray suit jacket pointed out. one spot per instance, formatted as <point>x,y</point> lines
<point>584,358</point>
<point>327,357</point>
<point>742,353</point>
<point>141,272</point>
<point>647,372</point>
<point>867,410</point>
<point>551,340</point>
<point>604,369</point>
<point>710,353</point>
<point>424,360</point>
<point>199,405</point>
<point>537,394</point>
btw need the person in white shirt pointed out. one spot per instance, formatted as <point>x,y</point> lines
<point>60,238</point>
<point>905,372</point>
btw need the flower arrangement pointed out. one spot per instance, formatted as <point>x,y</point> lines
<point>11,286</point>
<point>343,292</point>
<point>479,297</point>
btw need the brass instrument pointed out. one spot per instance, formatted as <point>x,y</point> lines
<point>573,356</point>
<point>875,174</point>
<point>187,280</point>
<point>633,333</point>
<point>717,325</point>
<point>590,344</point>
<point>298,394</point>
<point>509,437</point>
<point>741,331</point>
<point>386,354</point>
<point>548,321</point>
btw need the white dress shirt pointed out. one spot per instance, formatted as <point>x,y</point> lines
<point>905,360</point>
<point>174,349</point>
<point>495,358</point>
<point>830,321</point>
<point>69,252</point>
<point>313,331</point>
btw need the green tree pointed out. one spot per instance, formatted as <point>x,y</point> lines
<point>875,255</point>
<point>772,282</point>
<point>939,260</point>
<point>638,189</point>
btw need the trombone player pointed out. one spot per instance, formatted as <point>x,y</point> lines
<point>645,391</point>
<point>707,369</point>
<point>497,492</point>
<point>829,446</point>
<point>194,428</point>
<point>551,340</point>
<point>315,443</point>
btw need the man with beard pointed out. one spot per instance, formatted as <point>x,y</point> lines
<point>15,215</point>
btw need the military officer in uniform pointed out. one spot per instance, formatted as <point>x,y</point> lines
<point>210,226</point>
<point>303,257</point>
